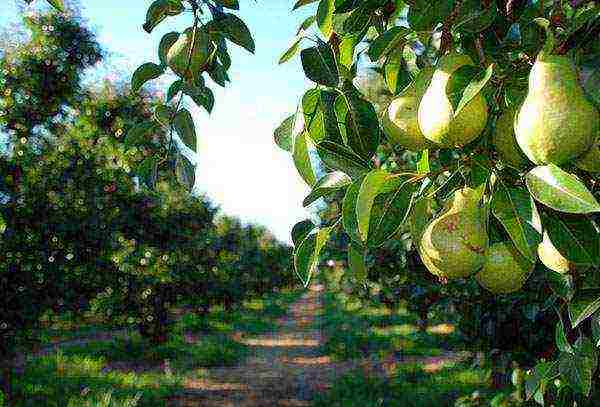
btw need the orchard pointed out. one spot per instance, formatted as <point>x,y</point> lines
<point>452,152</point>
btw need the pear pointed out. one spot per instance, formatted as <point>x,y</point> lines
<point>556,123</point>
<point>551,257</point>
<point>505,269</point>
<point>505,142</point>
<point>179,53</point>
<point>399,120</point>
<point>590,160</point>
<point>454,244</point>
<point>436,115</point>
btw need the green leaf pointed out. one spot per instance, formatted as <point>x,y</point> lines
<point>560,190</point>
<point>159,10</point>
<point>585,303</point>
<point>174,89</point>
<point>561,338</point>
<point>475,17</point>
<point>595,323</point>
<point>396,76</point>
<point>578,368</point>
<point>423,164</point>
<point>349,219</point>
<point>358,20</point>
<point>163,115</point>
<point>57,4</point>
<point>517,212</point>
<point>302,159</point>
<point>201,95</point>
<point>218,74</point>
<point>361,123</point>
<point>310,20</point>
<point>419,218</point>
<point>231,4</point>
<point>577,238</point>
<point>301,3</point>
<point>301,230</point>
<point>356,262</point>
<point>143,74</point>
<point>185,172</point>
<point>184,125</point>
<point>347,47</point>
<point>235,30</point>
<point>474,87</point>
<point>319,65</point>
<point>165,44</point>
<point>284,137</point>
<point>562,285</point>
<point>138,133</point>
<point>306,255</point>
<point>329,183</point>
<point>341,158</point>
<point>291,51</point>
<point>382,206</point>
<point>388,41</point>
<point>541,375</point>
<point>325,17</point>
<point>424,15</point>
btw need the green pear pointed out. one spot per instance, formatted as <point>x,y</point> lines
<point>551,257</point>
<point>505,269</point>
<point>556,123</point>
<point>400,122</point>
<point>436,115</point>
<point>590,160</point>
<point>505,142</point>
<point>178,55</point>
<point>453,245</point>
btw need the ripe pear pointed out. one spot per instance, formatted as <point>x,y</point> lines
<point>436,115</point>
<point>505,269</point>
<point>590,160</point>
<point>178,55</point>
<point>505,142</point>
<point>454,244</point>
<point>556,123</point>
<point>551,257</point>
<point>399,120</point>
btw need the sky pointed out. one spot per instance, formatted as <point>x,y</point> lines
<point>240,168</point>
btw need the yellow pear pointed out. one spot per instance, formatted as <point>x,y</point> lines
<point>505,269</point>
<point>436,117</point>
<point>453,245</point>
<point>590,160</point>
<point>551,257</point>
<point>556,123</point>
<point>400,122</point>
<point>178,55</point>
<point>504,140</point>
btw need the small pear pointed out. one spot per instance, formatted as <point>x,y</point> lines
<point>551,257</point>
<point>436,115</point>
<point>505,269</point>
<point>590,160</point>
<point>178,55</point>
<point>505,142</point>
<point>454,244</point>
<point>400,122</point>
<point>556,123</point>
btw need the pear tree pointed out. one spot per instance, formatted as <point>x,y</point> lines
<point>481,156</point>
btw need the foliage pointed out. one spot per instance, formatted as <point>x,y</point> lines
<point>394,193</point>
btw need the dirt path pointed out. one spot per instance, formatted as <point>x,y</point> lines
<point>285,367</point>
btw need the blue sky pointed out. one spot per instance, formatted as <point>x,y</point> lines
<point>240,168</point>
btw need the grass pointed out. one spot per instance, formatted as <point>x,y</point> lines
<point>356,330</point>
<point>127,372</point>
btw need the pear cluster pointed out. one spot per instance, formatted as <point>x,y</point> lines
<point>556,123</point>
<point>456,245</point>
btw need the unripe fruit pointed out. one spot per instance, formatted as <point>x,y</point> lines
<point>454,244</point>
<point>436,115</point>
<point>178,55</point>
<point>556,123</point>
<point>505,269</point>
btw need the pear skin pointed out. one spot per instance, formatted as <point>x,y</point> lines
<point>505,269</point>
<point>179,53</point>
<point>505,142</point>
<point>400,122</point>
<point>436,117</point>
<point>590,160</point>
<point>453,245</point>
<point>556,123</point>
